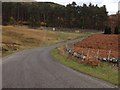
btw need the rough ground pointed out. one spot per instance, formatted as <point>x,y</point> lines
<point>100,42</point>
<point>15,38</point>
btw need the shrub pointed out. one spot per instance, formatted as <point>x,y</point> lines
<point>11,20</point>
<point>107,30</point>
<point>33,22</point>
<point>116,31</point>
<point>43,24</point>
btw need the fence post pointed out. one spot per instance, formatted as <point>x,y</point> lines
<point>109,53</point>
<point>82,53</point>
<point>66,46</point>
<point>88,54</point>
<point>97,54</point>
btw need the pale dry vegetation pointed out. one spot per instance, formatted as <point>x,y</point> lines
<point>15,38</point>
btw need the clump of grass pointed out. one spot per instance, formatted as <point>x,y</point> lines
<point>105,72</point>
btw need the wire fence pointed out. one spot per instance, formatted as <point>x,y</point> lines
<point>97,53</point>
<point>93,56</point>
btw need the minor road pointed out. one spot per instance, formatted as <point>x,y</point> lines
<point>36,68</point>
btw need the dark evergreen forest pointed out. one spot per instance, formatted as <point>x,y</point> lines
<point>50,14</point>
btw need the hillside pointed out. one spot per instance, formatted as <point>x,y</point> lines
<point>50,14</point>
<point>103,43</point>
<point>52,4</point>
<point>18,0</point>
<point>15,38</point>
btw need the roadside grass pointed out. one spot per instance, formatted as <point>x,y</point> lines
<point>31,38</point>
<point>106,72</point>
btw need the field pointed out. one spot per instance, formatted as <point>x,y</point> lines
<point>15,38</point>
<point>105,45</point>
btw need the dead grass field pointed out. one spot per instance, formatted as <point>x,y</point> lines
<point>15,38</point>
<point>103,43</point>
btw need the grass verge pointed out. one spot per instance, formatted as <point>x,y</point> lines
<point>106,72</point>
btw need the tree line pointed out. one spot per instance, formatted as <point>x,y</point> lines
<point>50,14</point>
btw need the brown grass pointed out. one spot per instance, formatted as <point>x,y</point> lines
<point>31,38</point>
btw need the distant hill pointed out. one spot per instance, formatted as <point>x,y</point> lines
<point>48,3</point>
<point>18,0</point>
<point>52,4</point>
<point>50,14</point>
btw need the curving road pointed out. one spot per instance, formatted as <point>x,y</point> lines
<point>35,68</point>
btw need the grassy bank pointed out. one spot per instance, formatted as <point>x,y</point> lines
<point>16,38</point>
<point>106,72</point>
